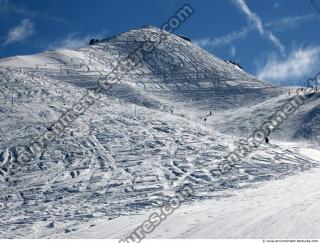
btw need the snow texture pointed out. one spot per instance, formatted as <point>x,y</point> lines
<point>128,154</point>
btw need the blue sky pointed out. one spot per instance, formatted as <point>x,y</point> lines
<point>277,40</point>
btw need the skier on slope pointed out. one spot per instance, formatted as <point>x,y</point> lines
<point>267,136</point>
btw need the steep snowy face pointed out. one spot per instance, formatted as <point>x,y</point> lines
<point>177,63</point>
<point>173,64</point>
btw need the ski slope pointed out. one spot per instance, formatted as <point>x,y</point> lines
<point>279,209</point>
<point>129,153</point>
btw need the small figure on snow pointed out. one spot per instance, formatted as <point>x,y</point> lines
<point>267,136</point>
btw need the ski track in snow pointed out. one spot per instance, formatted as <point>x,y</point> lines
<point>278,209</point>
<point>127,154</point>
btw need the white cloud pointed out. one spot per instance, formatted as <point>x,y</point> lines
<point>20,32</point>
<point>6,7</point>
<point>284,23</point>
<point>252,17</point>
<point>232,51</point>
<point>301,64</point>
<point>291,21</point>
<point>255,20</point>
<point>223,40</point>
<point>74,40</point>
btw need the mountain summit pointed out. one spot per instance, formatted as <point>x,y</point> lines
<point>175,63</point>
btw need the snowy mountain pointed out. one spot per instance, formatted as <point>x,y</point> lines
<point>143,140</point>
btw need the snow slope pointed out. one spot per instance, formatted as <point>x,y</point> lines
<point>128,153</point>
<point>281,209</point>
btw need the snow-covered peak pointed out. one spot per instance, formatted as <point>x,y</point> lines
<point>180,62</point>
<point>174,63</point>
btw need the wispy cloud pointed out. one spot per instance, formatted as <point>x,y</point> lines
<point>21,32</point>
<point>75,40</point>
<point>300,65</point>
<point>223,40</point>
<point>6,7</point>
<point>289,22</point>
<point>232,51</point>
<point>255,20</point>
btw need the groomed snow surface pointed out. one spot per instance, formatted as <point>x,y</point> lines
<point>145,139</point>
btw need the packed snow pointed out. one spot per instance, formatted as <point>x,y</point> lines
<point>282,209</point>
<point>147,137</point>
